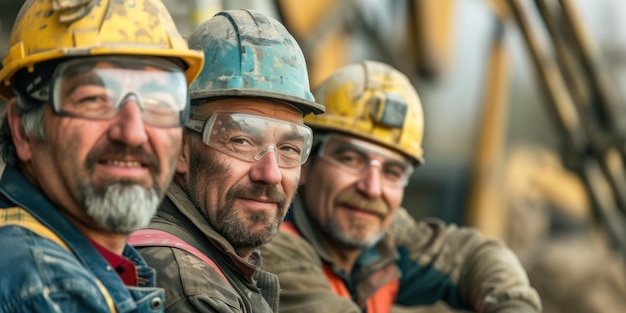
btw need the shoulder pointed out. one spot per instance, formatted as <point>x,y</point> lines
<point>304,286</point>
<point>288,243</point>
<point>287,251</point>
<point>40,272</point>
<point>29,249</point>
<point>429,233</point>
<point>173,261</point>
<point>186,279</point>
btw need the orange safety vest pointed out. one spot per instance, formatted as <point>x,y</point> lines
<point>380,302</point>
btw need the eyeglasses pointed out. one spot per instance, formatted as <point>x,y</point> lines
<point>249,137</point>
<point>98,87</point>
<point>357,156</point>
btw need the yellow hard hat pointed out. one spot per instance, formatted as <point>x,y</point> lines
<point>46,30</point>
<point>373,101</point>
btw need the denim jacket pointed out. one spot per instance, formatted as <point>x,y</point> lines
<point>40,275</point>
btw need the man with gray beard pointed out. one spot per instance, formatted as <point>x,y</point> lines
<point>347,223</point>
<point>238,170</point>
<point>90,140</point>
<point>123,208</point>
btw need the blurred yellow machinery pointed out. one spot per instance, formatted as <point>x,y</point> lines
<point>323,29</point>
<point>580,99</point>
<point>584,106</point>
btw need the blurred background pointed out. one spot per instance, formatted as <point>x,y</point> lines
<point>524,109</point>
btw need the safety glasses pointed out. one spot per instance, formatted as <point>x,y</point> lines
<point>98,87</point>
<point>249,137</point>
<point>357,156</point>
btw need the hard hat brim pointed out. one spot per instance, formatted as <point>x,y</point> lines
<point>301,104</point>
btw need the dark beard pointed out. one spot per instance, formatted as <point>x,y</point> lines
<point>206,171</point>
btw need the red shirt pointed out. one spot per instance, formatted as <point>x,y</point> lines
<point>124,267</point>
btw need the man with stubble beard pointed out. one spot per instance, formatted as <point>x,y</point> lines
<point>348,210</point>
<point>239,168</point>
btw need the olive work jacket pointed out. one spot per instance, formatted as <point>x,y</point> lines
<point>192,285</point>
<point>431,262</point>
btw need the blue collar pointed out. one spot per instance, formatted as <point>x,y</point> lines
<point>17,191</point>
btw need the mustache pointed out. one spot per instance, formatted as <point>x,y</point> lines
<point>255,191</point>
<point>118,150</point>
<point>352,198</point>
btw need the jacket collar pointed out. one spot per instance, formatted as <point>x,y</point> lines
<point>384,248</point>
<point>306,228</point>
<point>181,203</point>
<point>19,192</point>
<point>374,268</point>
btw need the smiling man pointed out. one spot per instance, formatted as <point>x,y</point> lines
<point>239,168</point>
<point>348,212</point>
<point>90,139</point>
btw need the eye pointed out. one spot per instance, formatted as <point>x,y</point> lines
<point>290,150</point>
<point>240,141</point>
<point>92,99</point>
<point>88,99</point>
<point>394,172</point>
<point>350,159</point>
<point>89,93</point>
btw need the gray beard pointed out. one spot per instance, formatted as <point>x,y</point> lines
<point>122,208</point>
<point>339,236</point>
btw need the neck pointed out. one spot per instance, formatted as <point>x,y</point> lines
<point>343,256</point>
<point>243,253</point>
<point>114,242</point>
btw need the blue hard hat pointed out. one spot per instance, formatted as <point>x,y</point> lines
<point>249,54</point>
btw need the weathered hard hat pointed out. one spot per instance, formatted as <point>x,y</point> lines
<point>373,101</point>
<point>249,54</point>
<point>46,30</point>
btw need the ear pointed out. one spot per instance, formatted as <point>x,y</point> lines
<point>21,142</point>
<point>183,163</point>
<point>305,171</point>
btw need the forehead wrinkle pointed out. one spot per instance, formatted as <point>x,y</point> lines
<point>367,149</point>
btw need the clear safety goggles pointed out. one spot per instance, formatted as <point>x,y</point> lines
<point>357,156</point>
<point>249,137</point>
<point>98,87</point>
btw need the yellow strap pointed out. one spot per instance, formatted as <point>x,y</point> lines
<point>20,217</point>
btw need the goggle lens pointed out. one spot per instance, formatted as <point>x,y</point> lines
<point>249,137</point>
<point>98,87</point>
<point>357,156</point>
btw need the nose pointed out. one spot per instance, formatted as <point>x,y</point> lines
<point>270,148</point>
<point>266,169</point>
<point>370,182</point>
<point>128,126</point>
